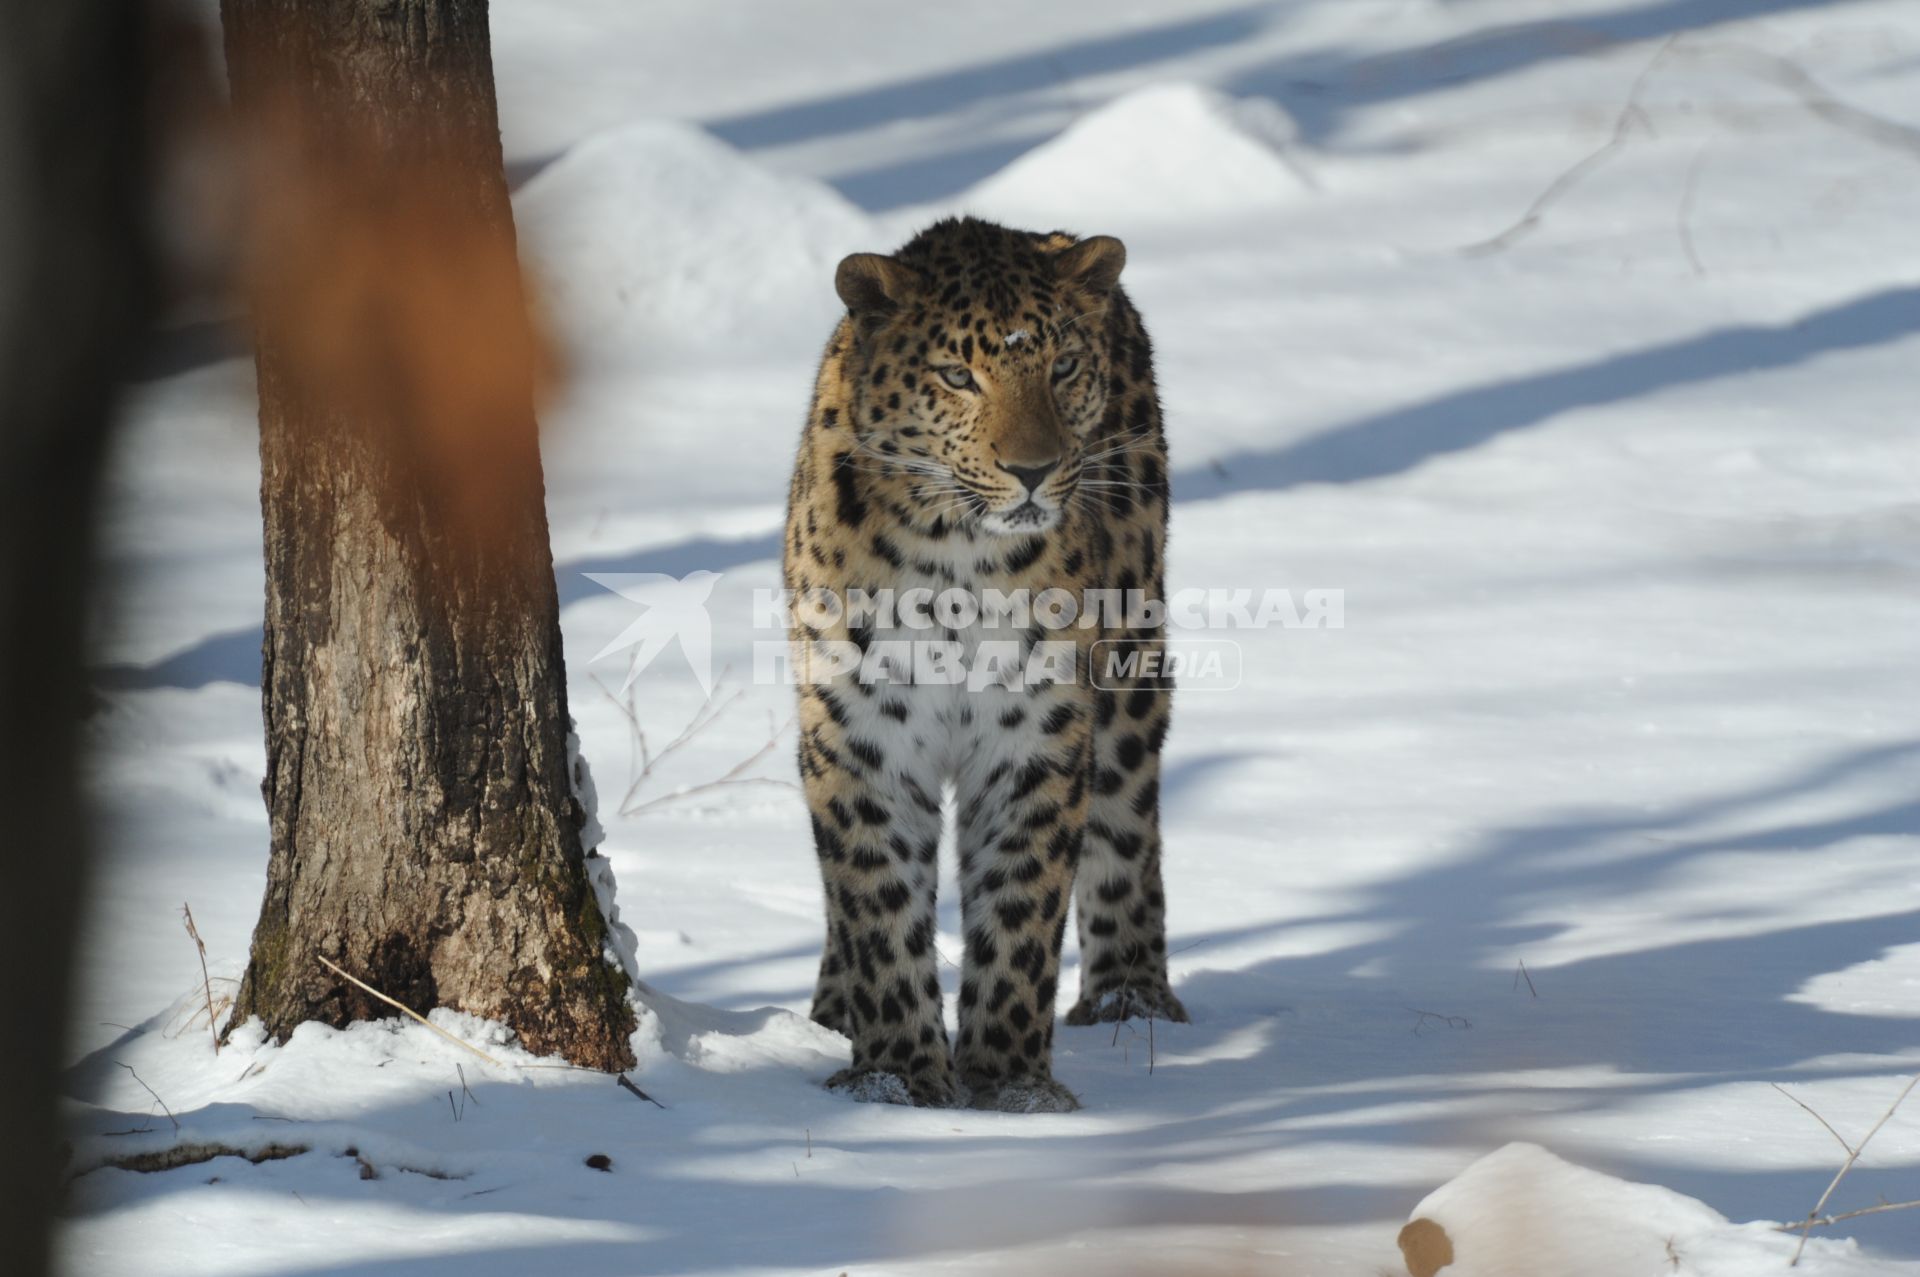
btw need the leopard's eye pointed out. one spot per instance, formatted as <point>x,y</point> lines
<point>1065,366</point>
<point>959,378</point>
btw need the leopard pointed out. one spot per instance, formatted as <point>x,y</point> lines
<point>985,418</point>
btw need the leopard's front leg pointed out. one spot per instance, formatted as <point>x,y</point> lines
<point>1118,898</point>
<point>876,829</point>
<point>1022,800</point>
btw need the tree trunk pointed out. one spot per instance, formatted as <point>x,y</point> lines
<point>74,299</point>
<point>425,836</point>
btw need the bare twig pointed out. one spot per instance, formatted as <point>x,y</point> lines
<point>1825,1220</point>
<point>1446,1021</point>
<point>406,1010</point>
<point>1521,974</point>
<point>206,982</point>
<point>1814,96</point>
<point>724,782</point>
<point>625,707</point>
<point>733,777</point>
<point>626,1084</point>
<point>706,716</point>
<point>1683,215</point>
<point>643,761</point>
<point>1853,1155</point>
<point>703,718</point>
<point>1783,72</point>
<point>1623,124</point>
<point>1815,1116</point>
<point>155,1094</point>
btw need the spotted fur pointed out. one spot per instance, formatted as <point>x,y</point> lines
<point>985,417</point>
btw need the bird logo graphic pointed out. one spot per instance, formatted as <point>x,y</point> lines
<point>675,610</point>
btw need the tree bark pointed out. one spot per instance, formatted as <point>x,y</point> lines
<point>425,836</point>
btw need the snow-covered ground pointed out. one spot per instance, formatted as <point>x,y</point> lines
<point>1625,507</point>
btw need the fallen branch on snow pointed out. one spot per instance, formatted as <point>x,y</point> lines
<point>192,1154</point>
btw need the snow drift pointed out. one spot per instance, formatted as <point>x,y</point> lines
<point>1161,154</point>
<point>659,235</point>
<point>1521,1212</point>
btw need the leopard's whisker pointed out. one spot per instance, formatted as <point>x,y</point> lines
<point>1139,445</point>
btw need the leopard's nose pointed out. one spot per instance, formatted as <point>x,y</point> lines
<point>1032,475</point>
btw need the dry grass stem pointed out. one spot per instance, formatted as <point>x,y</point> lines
<point>405,1010</point>
<point>206,982</point>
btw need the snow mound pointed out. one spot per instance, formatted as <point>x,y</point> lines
<point>657,233</point>
<point>1520,1211</point>
<point>1158,154</point>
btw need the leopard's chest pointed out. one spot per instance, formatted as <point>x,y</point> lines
<point>951,640</point>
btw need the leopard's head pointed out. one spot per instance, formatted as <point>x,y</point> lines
<point>980,368</point>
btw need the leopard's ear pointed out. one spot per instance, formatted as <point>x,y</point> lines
<point>1094,263</point>
<point>870,283</point>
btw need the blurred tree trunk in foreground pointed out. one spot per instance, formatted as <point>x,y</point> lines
<point>425,836</point>
<point>74,299</point>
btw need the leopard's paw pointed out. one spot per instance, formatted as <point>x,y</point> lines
<point>1022,1095</point>
<point>1153,1001</point>
<point>880,1086</point>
